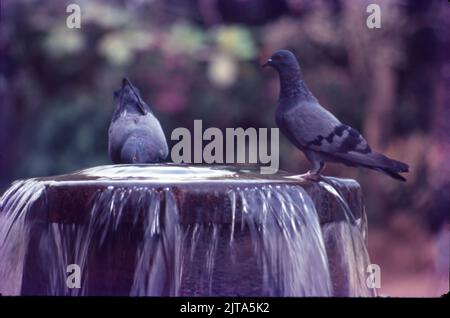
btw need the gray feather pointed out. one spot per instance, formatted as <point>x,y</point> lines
<point>316,131</point>
<point>135,134</point>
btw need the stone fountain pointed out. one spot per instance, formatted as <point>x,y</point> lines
<point>178,230</point>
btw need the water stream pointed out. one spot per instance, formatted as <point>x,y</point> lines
<point>178,231</point>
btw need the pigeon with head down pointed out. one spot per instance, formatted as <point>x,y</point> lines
<point>135,135</point>
<point>316,131</point>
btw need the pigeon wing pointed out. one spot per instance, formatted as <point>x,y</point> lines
<point>310,126</point>
<point>318,130</point>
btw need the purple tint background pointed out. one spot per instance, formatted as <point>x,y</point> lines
<point>200,60</point>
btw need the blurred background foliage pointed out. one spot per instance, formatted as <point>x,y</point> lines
<point>201,59</point>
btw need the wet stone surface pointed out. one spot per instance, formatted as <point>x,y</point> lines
<point>185,230</point>
<point>201,192</point>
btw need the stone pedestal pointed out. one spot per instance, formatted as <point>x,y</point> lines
<point>185,230</point>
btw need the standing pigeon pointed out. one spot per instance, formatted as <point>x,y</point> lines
<point>135,135</point>
<point>317,132</point>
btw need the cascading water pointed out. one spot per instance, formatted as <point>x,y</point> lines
<point>183,231</point>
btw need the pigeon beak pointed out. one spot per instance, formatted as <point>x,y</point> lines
<point>126,82</point>
<point>141,106</point>
<point>144,112</point>
<point>269,62</point>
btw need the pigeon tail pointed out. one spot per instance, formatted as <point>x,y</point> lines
<point>374,161</point>
<point>389,166</point>
<point>388,163</point>
<point>390,173</point>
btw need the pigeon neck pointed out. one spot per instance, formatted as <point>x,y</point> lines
<point>292,85</point>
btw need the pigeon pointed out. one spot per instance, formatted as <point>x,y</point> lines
<point>135,135</point>
<point>316,131</point>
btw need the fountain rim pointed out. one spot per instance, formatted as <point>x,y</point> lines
<point>193,174</point>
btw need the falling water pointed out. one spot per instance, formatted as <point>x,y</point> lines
<point>347,236</point>
<point>179,231</point>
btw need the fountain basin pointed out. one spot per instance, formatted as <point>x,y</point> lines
<point>177,230</point>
